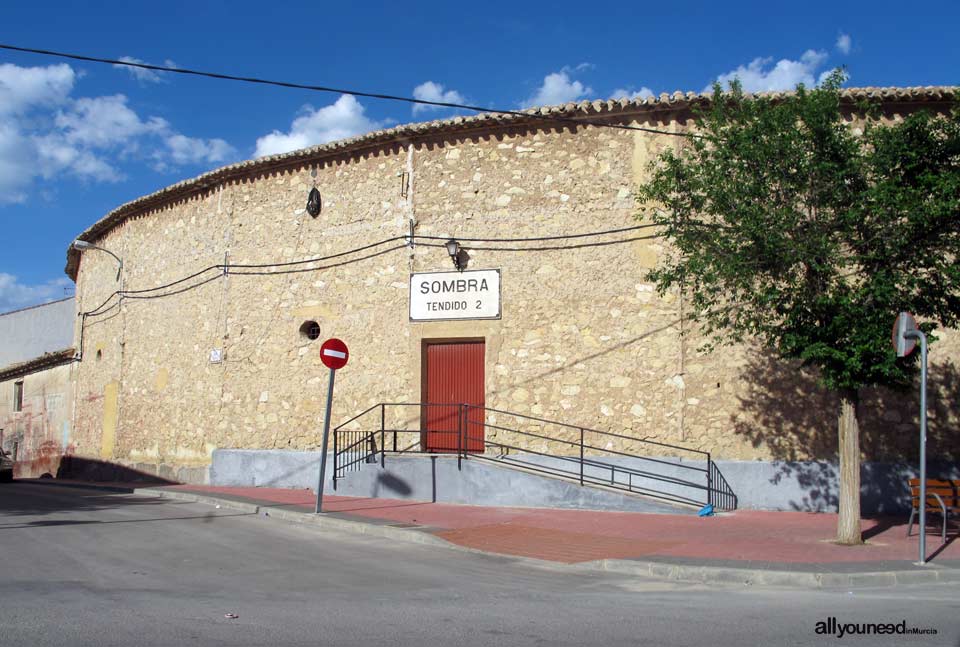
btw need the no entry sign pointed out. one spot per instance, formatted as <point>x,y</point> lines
<point>334,353</point>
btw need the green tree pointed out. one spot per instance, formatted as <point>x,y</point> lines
<point>795,227</point>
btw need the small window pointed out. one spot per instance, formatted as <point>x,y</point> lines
<point>18,396</point>
<point>310,330</point>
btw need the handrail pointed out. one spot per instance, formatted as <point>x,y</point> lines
<point>600,464</point>
<point>595,431</point>
<point>590,480</point>
<point>599,449</point>
<point>359,415</point>
<point>350,454</point>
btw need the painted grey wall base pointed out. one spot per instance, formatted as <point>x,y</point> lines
<point>813,486</point>
<point>423,478</point>
<point>800,486</point>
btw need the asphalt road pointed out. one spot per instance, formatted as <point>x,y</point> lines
<point>83,567</point>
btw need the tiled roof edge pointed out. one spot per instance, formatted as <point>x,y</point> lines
<point>583,109</point>
<point>45,361</point>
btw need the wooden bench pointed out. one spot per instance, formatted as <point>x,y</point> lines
<point>943,498</point>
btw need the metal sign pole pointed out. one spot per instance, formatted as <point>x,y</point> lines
<point>323,448</point>
<point>918,334</point>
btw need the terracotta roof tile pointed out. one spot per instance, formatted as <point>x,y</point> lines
<point>45,361</point>
<point>584,109</point>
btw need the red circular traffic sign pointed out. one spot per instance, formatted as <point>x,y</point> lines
<point>334,353</point>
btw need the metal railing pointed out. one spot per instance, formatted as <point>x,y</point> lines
<point>650,468</point>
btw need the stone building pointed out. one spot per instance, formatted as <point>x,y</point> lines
<point>228,358</point>
<point>36,387</point>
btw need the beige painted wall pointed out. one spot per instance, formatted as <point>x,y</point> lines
<point>41,431</point>
<point>583,338</point>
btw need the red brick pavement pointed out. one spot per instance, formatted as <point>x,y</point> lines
<point>582,535</point>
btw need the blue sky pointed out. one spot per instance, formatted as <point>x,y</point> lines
<point>79,139</point>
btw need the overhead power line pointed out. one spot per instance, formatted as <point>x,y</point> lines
<point>284,267</point>
<point>358,93</point>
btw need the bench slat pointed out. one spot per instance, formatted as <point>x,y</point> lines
<point>948,490</point>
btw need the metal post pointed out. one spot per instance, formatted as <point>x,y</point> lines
<point>323,448</point>
<point>918,334</point>
<point>460,416</point>
<point>383,440</point>
<point>335,456</point>
<point>581,456</point>
<point>709,480</point>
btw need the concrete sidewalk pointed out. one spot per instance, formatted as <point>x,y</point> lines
<point>752,547</point>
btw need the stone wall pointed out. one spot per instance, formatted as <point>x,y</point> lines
<point>583,338</point>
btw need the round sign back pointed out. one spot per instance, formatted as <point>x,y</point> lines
<point>903,323</point>
<point>334,353</point>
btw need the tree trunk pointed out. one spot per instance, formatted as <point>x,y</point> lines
<point>848,429</point>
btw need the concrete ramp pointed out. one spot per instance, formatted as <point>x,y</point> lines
<point>428,478</point>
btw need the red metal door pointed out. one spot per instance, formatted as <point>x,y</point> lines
<point>454,376</point>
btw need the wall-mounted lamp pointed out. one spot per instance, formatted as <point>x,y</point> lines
<point>314,203</point>
<point>83,245</point>
<point>454,249</point>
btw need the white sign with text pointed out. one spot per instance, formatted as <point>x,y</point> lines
<point>437,296</point>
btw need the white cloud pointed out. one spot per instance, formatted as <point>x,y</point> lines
<point>54,155</point>
<point>14,295</point>
<point>759,76</point>
<point>340,120</point>
<point>106,121</point>
<point>23,88</point>
<point>142,74</point>
<point>16,163</point>
<point>826,73</point>
<point>45,132</point>
<point>630,93</point>
<point>559,87</point>
<point>844,43</point>
<point>190,150</point>
<point>430,91</point>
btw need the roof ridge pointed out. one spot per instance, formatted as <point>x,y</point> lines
<point>673,101</point>
<point>47,360</point>
<point>38,305</point>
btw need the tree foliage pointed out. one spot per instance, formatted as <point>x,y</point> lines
<point>806,229</point>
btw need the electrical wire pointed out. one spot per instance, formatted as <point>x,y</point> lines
<point>314,260</point>
<point>276,306</point>
<point>260,269</point>
<point>263,269</point>
<point>177,291</point>
<point>553,248</point>
<point>321,88</point>
<point>220,267</point>
<point>538,238</point>
<point>324,267</point>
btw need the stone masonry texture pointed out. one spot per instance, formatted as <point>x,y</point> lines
<point>583,338</point>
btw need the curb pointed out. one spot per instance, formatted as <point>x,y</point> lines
<point>329,523</point>
<point>652,569</point>
<point>792,579</point>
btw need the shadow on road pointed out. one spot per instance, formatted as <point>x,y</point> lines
<point>47,523</point>
<point>24,498</point>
